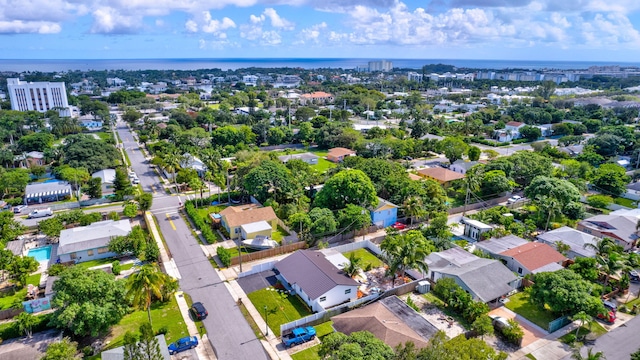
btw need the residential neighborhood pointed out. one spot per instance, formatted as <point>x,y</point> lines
<point>339,211</point>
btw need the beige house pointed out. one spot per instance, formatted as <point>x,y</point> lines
<point>247,221</point>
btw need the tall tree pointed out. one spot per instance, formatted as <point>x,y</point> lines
<point>453,148</point>
<point>406,251</point>
<point>347,187</point>
<point>26,322</point>
<point>144,285</point>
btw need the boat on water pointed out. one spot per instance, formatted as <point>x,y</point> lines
<point>260,243</point>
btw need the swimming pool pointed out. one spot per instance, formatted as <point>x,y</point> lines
<point>41,253</point>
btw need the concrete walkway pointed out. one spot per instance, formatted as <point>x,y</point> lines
<point>167,262</point>
<point>547,348</point>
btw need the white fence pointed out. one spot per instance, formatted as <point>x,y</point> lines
<point>358,245</point>
<point>323,316</point>
<point>258,268</point>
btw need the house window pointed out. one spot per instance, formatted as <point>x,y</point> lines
<point>237,230</point>
<point>73,256</point>
<point>323,298</point>
<point>519,270</point>
<point>103,250</point>
<point>348,291</point>
<point>89,252</point>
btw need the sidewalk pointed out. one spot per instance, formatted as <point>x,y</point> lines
<point>204,349</point>
<point>547,348</point>
<point>169,265</point>
<point>272,344</point>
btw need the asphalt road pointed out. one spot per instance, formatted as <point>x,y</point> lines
<point>228,331</point>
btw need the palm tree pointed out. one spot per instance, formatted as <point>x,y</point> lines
<point>562,248</point>
<point>172,163</point>
<point>608,256</point>
<point>26,322</point>
<point>590,355</point>
<point>406,251</point>
<point>549,205</point>
<point>602,247</point>
<point>413,208</point>
<point>144,285</point>
<point>353,266</point>
<point>584,318</point>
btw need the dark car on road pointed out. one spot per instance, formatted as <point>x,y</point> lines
<point>199,311</point>
<point>186,343</point>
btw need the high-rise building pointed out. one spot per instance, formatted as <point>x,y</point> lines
<point>38,96</point>
<point>382,65</point>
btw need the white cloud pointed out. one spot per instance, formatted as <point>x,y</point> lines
<point>311,34</point>
<point>205,23</point>
<point>109,21</point>
<point>22,27</point>
<point>254,29</point>
<point>277,21</point>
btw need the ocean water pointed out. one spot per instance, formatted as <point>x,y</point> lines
<point>52,65</point>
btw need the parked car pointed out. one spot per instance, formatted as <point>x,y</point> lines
<point>19,209</point>
<point>609,317</point>
<point>399,226</point>
<point>199,311</point>
<point>499,322</point>
<point>634,276</point>
<point>514,199</point>
<point>135,181</point>
<point>610,305</point>
<point>299,335</point>
<point>40,213</point>
<point>186,343</point>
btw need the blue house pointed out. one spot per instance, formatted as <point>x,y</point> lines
<point>90,242</point>
<point>385,214</point>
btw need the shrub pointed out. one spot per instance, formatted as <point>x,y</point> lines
<point>200,223</point>
<point>113,216</point>
<point>116,268</point>
<point>599,201</point>
<point>513,333</point>
<point>224,255</point>
<point>163,330</point>
<point>412,304</point>
<point>459,300</point>
<point>87,351</point>
<point>56,269</point>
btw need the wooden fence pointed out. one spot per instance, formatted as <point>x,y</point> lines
<point>268,253</point>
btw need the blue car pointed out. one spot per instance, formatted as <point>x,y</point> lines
<point>183,344</point>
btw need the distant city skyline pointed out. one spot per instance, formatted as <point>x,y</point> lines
<point>586,30</point>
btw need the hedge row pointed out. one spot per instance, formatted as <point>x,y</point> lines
<point>11,331</point>
<point>483,141</point>
<point>200,223</point>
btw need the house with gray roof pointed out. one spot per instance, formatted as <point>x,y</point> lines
<point>620,228</point>
<point>118,353</point>
<point>107,178</point>
<point>496,246</point>
<point>474,229</point>
<point>47,192</point>
<point>309,158</point>
<point>317,281</point>
<point>461,166</point>
<point>486,280</point>
<point>90,242</point>
<point>572,237</point>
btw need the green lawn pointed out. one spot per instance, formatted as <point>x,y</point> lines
<point>596,329</point>
<point>367,258</point>
<point>244,250</point>
<point>324,329</point>
<point>625,202</point>
<point>205,211</point>
<point>162,315</point>
<point>520,304</point>
<point>278,234</point>
<point>11,298</point>
<point>104,135</point>
<point>321,153</point>
<point>280,309</point>
<point>97,262</point>
<point>323,165</point>
<point>307,354</point>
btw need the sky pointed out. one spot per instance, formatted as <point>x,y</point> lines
<point>571,30</point>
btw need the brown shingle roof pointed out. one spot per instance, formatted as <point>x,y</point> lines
<point>313,273</point>
<point>387,320</point>
<point>240,215</point>
<point>514,123</point>
<point>534,255</point>
<point>441,174</point>
<point>340,151</point>
<point>415,177</point>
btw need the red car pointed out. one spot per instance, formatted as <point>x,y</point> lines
<point>609,317</point>
<point>399,226</point>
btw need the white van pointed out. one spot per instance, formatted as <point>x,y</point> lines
<point>40,213</point>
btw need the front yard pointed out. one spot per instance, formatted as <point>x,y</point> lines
<point>520,304</point>
<point>163,315</point>
<point>99,262</point>
<point>280,307</point>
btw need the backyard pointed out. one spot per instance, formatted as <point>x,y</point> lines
<point>521,305</point>
<point>12,297</point>
<point>281,308</point>
<point>369,260</point>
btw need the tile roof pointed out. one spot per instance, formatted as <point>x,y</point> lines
<point>313,273</point>
<point>534,255</point>
<point>390,320</point>
<point>514,123</point>
<point>441,174</point>
<point>340,151</point>
<point>241,215</point>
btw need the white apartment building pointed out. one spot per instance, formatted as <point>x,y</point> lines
<point>38,96</point>
<point>382,65</point>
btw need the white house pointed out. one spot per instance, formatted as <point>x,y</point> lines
<point>317,281</point>
<point>510,132</point>
<point>474,228</point>
<point>90,242</point>
<point>107,178</point>
<point>461,166</point>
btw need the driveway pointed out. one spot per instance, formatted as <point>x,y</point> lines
<point>257,281</point>
<point>228,331</point>
<point>531,332</point>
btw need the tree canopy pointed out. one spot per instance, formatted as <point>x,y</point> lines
<point>566,293</point>
<point>347,187</point>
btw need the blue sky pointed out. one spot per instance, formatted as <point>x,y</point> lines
<point>589,30</point>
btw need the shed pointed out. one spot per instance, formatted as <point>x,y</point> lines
<point>251,230</point>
